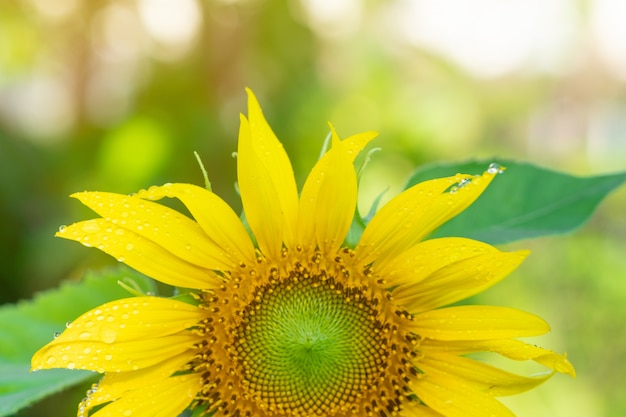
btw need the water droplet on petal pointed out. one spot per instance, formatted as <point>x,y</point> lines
<point>51,359</point>
<point>108,335</point>
<point>87,350</point>
<point>495,168</point>
<point>464,182</point>
<point>130,246</point>
<point>71,365</point>
<point>62,228</point>
<point>127,413</point>
<point>84,335</point>
<point>56,334</point>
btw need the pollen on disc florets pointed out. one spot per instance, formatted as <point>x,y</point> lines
<point>310,336</point>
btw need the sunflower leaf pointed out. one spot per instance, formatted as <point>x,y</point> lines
<point>525,202</point>
<point>28,325</point>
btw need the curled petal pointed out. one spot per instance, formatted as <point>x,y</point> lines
<point>481,376</point>
<point>512,349</point>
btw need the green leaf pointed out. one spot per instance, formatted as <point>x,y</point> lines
<point>27,326</point>
<point>524,202</point>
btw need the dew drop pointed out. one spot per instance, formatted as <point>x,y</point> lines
<point>51,359</point>
<point>110,318</point>
<point>464,182</point>
<point>56,334</point>
<point>108,335</point>
<point>108,357</point>
<point>130,246</point>
<point>495,168</point>
<point>121,259</point>
<point>62,228</point>
<point>127,413</point>
<point>87,350</point>
<point>71,365</point>
<point>84,335</point>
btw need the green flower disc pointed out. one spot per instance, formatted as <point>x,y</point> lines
<point>308,346</point>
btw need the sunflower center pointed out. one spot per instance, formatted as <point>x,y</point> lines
<point>309,346</point>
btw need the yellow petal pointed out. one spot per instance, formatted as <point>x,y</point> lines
<point>266,181</point>
<point>140,253</point>
<point>115,385</point>
<point>217,219</point>
<point>418,410</point>
<point>414,214</point>
<point>457,280</point>
<point>512,349</point>
<point>165,227</point>
<point>166,398</point>
<point>453,399</point>
<point>477,323</point>
<point>424,258</point>
<point>123,335</point>
<point>329,196</point>
<point>482,377</point>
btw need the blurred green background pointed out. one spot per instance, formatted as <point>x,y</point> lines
<point>116,95</point>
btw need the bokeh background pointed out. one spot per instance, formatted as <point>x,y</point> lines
<point>116,95</point>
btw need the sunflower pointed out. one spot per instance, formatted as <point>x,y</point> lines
<point>293,321</point>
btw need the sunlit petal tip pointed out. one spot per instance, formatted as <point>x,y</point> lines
<point>559,363</point>
<point>566,367</point>
<point>255,113</point>
<point>335,137</point>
